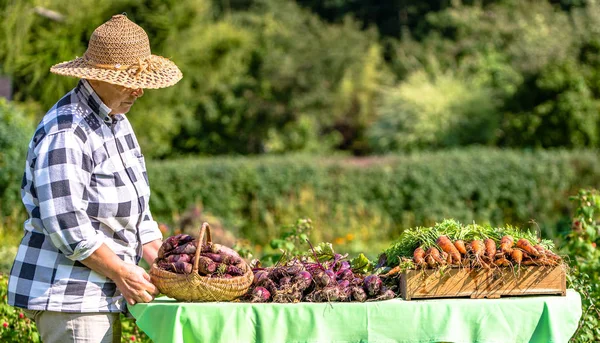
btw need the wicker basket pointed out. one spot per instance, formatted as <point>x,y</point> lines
<point>194,287</point>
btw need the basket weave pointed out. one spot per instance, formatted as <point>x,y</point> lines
<point>194,287</point>
<point>119,53</point>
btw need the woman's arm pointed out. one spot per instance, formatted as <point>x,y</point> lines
<point>150,250</point>
<point>131,280</point>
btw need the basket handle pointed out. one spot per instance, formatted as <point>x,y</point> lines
<point>204,229</point>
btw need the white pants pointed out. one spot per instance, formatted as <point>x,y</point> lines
<point>62,327</point>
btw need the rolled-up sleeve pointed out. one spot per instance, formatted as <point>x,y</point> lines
<point>62,172</point>
<point>148,227</point>
<point>149,230</point>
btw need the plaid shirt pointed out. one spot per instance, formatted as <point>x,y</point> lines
<point>85,184</point>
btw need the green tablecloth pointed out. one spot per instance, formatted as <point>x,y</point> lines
<point>544,319</point>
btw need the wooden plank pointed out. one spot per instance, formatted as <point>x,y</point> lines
<point>482,283</point>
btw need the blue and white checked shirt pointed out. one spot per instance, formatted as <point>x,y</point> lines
<point>85,184</point>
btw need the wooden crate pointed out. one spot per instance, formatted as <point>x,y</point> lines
<point>482,283</point>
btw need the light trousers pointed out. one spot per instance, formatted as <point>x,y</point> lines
<point>63,327</point>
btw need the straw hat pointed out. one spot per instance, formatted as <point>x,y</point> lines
<point>119,53</point>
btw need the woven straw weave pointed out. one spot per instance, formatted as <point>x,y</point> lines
<point>119,53</point>
<point>194,287</point>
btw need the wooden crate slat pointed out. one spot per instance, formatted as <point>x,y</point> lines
<point>482,283</point>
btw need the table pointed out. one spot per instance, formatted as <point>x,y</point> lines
<point>547,319</point>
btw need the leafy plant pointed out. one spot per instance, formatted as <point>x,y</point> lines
<point>581,248</point>
<point>292,242</point>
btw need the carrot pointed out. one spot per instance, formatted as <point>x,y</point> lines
<point>552,256</point>
<point>517,256</point>
<point>435,254</point>
<point>506,244</point>
<point>419,256</point>
<point>540,249</point>
<point>477,248</point>
<point>430,261</point>
<point>460,246</point>
<point>448,258</point>
<point>540,262</point>
<point>502,262</point>
<point>490,248</point>
<point>527,247</point>
<point>547,262</point>
<point>447,246</point>
<point>546,253</point>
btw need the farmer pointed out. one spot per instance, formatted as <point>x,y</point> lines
<point>86,192</point>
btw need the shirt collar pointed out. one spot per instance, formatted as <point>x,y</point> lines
<point>86,93</point>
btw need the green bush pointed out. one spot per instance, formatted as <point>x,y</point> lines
<point>441,111</point>
<point>538,63</point>
<point>275,78</point>
<point>371,200</point>
<point>580,245</point>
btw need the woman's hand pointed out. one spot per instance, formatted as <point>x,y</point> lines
<point>134,283</point>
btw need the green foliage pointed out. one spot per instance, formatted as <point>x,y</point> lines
<point>361,264</point>
<point>538,63</point>
<point>435,112</point>
<point>15,132</point>
<point>272,79</point>
<point>291,242</point>
<point>360,204</point>
<point>7,256</point>
<point>584,258</point>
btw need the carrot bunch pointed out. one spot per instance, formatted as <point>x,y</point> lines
<point>484,253</point>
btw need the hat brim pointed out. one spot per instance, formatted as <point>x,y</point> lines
<point>166,75</point>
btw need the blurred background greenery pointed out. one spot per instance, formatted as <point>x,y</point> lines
<point>368,116</point>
